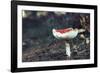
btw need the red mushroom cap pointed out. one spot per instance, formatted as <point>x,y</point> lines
<point>63,30</point>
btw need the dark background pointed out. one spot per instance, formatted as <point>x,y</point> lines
<point>39,43</point>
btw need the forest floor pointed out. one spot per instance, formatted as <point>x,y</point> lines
<point>40,51</point>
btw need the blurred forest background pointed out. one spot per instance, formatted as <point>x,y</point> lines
<point>37,36</point>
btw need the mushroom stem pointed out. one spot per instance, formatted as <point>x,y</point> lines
<point>68,52</point>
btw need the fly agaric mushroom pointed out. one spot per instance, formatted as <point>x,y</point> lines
<point>66,34</point>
